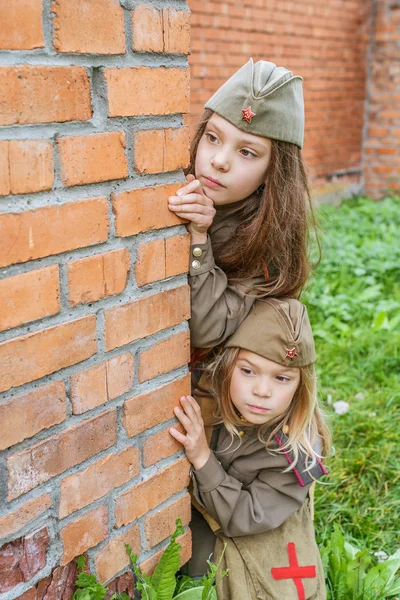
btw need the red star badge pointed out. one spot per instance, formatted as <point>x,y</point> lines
<point>291,353</point>
<point>247,114</point>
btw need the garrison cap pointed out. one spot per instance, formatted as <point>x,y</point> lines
<point>264,100</point>
<point>279,330</point>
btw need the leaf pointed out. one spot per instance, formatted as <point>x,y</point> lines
<point>163,578</point>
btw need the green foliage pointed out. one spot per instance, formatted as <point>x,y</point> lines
<point>354,305</point>
<point>88,586</point>
<point>351,575</point>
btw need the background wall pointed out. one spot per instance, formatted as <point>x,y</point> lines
<point>336,46</point>
<point>93,290</point>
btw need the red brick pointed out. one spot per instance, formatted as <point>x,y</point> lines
<point>166,30</point>
<point>96,277</point>
<point>143,317</point>
<point>85,532</point>
<point>184,540</point>
<point>147,410</point>
<point>122,583</point>
<point>177,255</point>
<point>144,209</point>
<point>158,91</point>
<point>112,558</point>
<point>103,31</point>
<point>42,94</point>
<point>150,263</point>
<point>101,383</point>
<point>21,559</point>
<point>27,166</point>
<point>164,356</point>
<point>53,229</point>
<point>29,296</point>
<point>24,416</point>
<point>92,158</point>
<point>52,456</point>
<point>137,501</point>
<point>161,445</point>
<point>161,150</point>
<point>83,488</point>
<point>21,25</point>
<point>5,186</point>
<point>57,347</point>
<point>161,524</point>
<point>17,519</point>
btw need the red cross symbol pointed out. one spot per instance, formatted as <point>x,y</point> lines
<point>291,353</point>
<point>293,571</point>
<point>247,114</point>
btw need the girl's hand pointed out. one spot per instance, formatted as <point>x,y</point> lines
<point>194,442</point>
<point>192,204</point>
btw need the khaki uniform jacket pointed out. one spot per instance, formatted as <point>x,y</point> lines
<point>218,306</point>
<point>263,515</point>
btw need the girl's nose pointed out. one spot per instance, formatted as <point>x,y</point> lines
<point>263,389</point>
<point>220,162</point>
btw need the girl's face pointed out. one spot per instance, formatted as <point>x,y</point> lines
<point>230,163</point>
<point>262,389</point>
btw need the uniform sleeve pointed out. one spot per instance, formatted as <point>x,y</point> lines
<point>218,307</point>
<point>263,505</point>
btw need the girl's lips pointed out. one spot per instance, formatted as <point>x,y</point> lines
<point>257,409</point>
<point>212,183</point>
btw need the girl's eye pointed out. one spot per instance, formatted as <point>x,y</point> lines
<point>246,371</point>
<point>211,137</point>
<point>282,378</point>
<point>247,153</point>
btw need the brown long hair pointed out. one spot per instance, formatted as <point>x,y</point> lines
<point>275,224</point>
<point>303,419</point>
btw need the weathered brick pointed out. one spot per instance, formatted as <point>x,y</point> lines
<point>21,25</point>
<point>143,209</point>
<point>160,150</point>
<point>58,347</point>
<point>112,558</point>
<point>103,31</point>
<point>86,531</point>
<point>52,456</point>
<point>161,524</point>
<point>13,521</point>
<point>92,158</point>
<point>122,584</point>
<point>101,383</point>
<point>164,356</point>
<point>143,317</point>
<point>150,409</point>
<point>99,276</point>
<point>161,445</point>
<point>51,230</point>
<point>185,542</point>
<point>166,30</point>
<point>24,416</point>
<point>83,488</point>
<point>29,296</point>
<point>21,559</point>
<point>158,91</point>
<point>42,94</point>
<point>137,501</point>
<point>27,166</point>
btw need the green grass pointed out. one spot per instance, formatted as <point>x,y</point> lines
<point>354,306</point>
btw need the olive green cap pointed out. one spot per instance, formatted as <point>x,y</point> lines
<point>264,100</point>
<point>279,330</point>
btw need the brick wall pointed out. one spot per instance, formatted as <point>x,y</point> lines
<point>382,147</point>
<point>325,42</point>
<point>93,289</point>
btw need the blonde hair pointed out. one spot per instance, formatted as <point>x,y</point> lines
<point>303,419</point>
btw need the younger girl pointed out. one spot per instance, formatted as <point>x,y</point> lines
<point>252,487</point>
<point>246,201</point>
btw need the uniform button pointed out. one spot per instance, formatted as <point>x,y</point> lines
<point>197,251</point>
<point>196,264</point>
